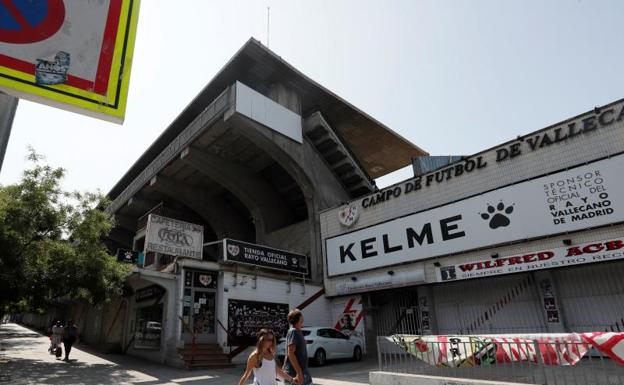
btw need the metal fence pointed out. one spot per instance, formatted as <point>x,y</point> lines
<point>530,367</point>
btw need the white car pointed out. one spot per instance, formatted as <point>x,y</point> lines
<point>326,344</point>
<point>153,326</point>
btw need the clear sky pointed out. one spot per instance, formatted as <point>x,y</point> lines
<point>454,77</point>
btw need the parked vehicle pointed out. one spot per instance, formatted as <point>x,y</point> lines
<point>153,326</point>
<point>326,344</point>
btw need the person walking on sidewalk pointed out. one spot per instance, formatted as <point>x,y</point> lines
<point>56,336</point>
<point>296,362</point>
<point>262,362</point>
<point>70,335</point>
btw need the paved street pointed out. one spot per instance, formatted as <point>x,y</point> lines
<point>24,360</point>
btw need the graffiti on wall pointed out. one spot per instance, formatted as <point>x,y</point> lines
<point>349,313</point>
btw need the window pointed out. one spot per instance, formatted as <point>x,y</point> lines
<point>148,327</point>
<point>336,334</point>
<point>323,333</point>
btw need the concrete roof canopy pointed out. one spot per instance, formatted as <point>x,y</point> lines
<point>377,149</point>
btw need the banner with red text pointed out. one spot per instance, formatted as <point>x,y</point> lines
<point>598,251</point>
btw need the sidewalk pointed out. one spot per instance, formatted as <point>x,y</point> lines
<point>24,359</point>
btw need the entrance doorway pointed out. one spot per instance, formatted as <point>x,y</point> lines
<point>199,306</point>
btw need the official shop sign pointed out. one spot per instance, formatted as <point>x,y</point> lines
<point>174,237</point>
<point>600,251</point>
<point>262,256</point>
<point>581,197</point>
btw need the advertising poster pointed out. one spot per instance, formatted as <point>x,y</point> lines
<point>349,315</point>
<point>246,318</point>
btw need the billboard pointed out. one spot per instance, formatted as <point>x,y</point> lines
<point>71,54</point>
<point>246,318</point>
<point>578,198</point>
<point>173,237</point>
<point>600,251</point>
<point>262,256</point>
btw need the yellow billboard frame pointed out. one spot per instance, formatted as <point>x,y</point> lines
<point>110,107</point>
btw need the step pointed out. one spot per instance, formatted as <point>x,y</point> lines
<point>203,354</point>
<point>202,351</point>
<point>204,357</point>
<point>215,346</point>
<point>202,347</point>
<point>222,361</point>
<point>208,365</point>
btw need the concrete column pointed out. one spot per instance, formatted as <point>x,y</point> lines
<point>8,106</point>
<point>550,301</point>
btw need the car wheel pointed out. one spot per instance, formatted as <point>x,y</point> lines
<point>320,357</point>
<point>357,354</point>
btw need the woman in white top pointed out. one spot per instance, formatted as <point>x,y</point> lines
<point>56,337</point>
<point>262,362</point>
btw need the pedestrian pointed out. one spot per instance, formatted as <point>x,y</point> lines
<point>56,336</point>
<point>262,361</point>
<point>296,362</point>
<point>70,336</point>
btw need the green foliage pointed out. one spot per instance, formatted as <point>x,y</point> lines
<point>51,243</point>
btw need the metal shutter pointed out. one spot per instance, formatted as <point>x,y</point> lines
<point>506,304</point>
<point>592,296</point>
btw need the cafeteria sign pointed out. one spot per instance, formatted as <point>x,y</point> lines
<point>174,237</point>
<point>262,256</point>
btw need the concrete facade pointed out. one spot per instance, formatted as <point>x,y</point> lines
<point>255,157</point>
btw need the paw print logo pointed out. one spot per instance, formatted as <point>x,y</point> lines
<point>497,216</point>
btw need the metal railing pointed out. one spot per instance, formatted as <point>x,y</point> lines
<point>529,362</point>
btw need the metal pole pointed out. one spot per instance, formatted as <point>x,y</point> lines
<point>268,24</point>
<point>8,105</point>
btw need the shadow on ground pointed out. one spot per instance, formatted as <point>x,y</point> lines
<point>60,372</point>
<point>24,360</point>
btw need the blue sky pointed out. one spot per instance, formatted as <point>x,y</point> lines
<point>454,77</point>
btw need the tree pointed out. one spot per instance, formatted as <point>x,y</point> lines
<point>51,243</point>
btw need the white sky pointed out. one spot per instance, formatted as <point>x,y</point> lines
<point>454,77</point>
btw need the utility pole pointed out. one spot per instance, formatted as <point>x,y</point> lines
<point>268,23</point>
<point>8,105</point>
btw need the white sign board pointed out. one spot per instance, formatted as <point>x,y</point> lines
<point>579,198</point>
<point>380,281</point>
<point>174,237</point>
<point>263,110</point>
<point>600,251</point>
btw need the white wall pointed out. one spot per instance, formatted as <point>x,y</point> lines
<point>270,290</point>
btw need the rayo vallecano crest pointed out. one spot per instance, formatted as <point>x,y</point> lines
<point>233,250</point>
<point>205,279</point>
<point>348,215</point>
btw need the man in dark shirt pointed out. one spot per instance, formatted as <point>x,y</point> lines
<point>296,364</point>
